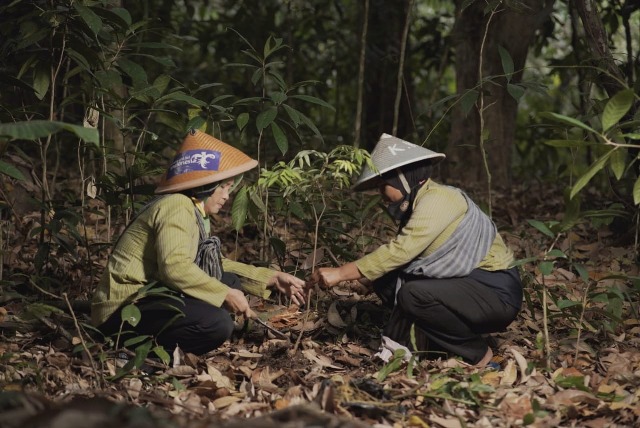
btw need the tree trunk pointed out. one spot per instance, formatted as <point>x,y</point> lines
<point>513,30</point>
<point>612,79</point>
<point>384,41</point>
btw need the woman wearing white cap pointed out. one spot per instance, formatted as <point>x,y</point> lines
<point>169,244</point>
<point>447,270</point>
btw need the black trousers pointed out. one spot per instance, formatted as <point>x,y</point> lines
<point>450,315</point>
<point>199,327</point>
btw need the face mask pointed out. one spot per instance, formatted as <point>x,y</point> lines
<point>398,210</point>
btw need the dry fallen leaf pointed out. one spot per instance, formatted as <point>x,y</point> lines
<point>133,388</point>
<point>446,422</point>
<point>333,316</point>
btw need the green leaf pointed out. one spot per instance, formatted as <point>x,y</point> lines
<point>582,272</point>
<point>11,171</point>
<point>142,352</point>
<point>507,64</point>
<point>618,162</point>
<point>265,118</point>
<point>541,227</point>
<point>109,79</point>
<point>392,366</point>
<point>161,83</point>
<point>113,18</point>
<point>636,192</point>
<point>181,96</point>
<point>153,45</point>
<point>468,100</point>
<point>131,314</point>
<point>296,209</point>
<point>293,114</point>
<point>546,267</point>
<point>587,176</point>
<point>255,199</point>
<point>242,120</point>
<point>133,70</point>
<point>34,129</point>
<point>571,382</point>
<point>162,354</point>
<point>528,419</point>
<point>616,108</point>
<point>269,49</point>
<point>569,143</point>
<point>41,81</point>
<point>278,97</point>
<point>248,101</point>
<point>257,75</point>
<point>39,310</point>
<point>31,38</point>
<point>314,100</point>
<point>123,14</point>
<point>177,385</point>
<point>516,91</point>
<point>557,253</point>
<point>196,122</point>
<point>280,137</point>
<point>521,262</point>
<point>92,20</point>
<point>135,340</point>
<point>310,125</point>
<point>278,79</point>
<point>78,59</point>
<point>239,209</point>
<point>566,303</point>
<point>567,120</point>
<point>279,247</point>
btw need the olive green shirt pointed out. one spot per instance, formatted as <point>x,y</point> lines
<point>160,245</point>
<point>437,211</point>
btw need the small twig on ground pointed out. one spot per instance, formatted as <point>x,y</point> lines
<point>84,344</point>
<point>304,324</point>
<point>55,327</point>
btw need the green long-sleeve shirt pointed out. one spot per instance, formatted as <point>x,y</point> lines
<point>437,211</point>
<point>161,245</point>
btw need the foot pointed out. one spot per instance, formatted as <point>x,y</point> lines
<point>486,359</point>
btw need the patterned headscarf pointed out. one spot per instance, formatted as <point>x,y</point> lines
<point>407,179</point>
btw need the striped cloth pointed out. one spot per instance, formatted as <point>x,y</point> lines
<point>463,251</point>
<point>209,255</point>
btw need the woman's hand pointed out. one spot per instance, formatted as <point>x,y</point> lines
<point>237,303</point>
<point>326,277</point>
<point>290,285</point>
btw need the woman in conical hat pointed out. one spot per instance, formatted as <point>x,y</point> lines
<point>447,270</point>
<point>169,245</point>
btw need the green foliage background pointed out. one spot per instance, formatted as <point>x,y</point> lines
<point>96,95</point>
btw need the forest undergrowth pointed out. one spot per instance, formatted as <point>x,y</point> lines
<point>571,358</point>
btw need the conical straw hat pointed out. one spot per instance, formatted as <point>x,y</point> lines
<point>203,159</point>
<point>390,153</point>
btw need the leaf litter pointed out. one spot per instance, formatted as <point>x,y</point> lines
<point>332,378</point>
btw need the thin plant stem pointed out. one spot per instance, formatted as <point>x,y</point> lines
<point>481,109</point>
<point>403,49</point>
<point>584,308</point>
<point>82,341</point>
<point>361,68</point>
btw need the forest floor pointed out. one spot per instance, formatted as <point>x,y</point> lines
<point>571,358</point>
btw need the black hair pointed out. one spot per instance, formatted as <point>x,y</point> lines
<point>201,192</point>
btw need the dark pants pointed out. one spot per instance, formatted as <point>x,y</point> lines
<point>450,315</point>
<point>198,328</point>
